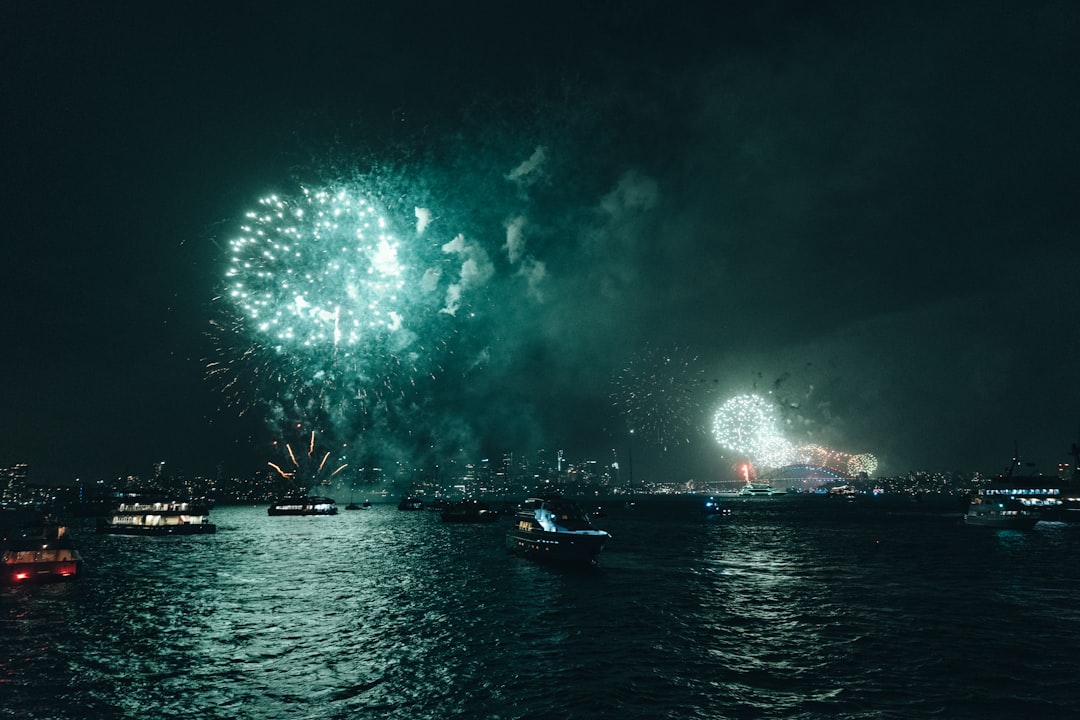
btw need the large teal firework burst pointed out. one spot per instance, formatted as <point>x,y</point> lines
<point>332,309</point>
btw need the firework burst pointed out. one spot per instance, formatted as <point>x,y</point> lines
<point>750,426</point>
<point>328,314</point>
<point>747,424</point>
<point>660,394</point>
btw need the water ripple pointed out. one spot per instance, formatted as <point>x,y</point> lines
<point>781,610</point>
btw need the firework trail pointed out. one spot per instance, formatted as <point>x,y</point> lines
<point>305,472</point>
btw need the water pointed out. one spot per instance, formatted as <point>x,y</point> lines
<point>803,607</point>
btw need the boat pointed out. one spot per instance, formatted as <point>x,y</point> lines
<point>844,492</point>
<point>1000,512</point>
<point>1056,499</point>
<point>714,507</point>
<point>411,503</point>
<point>304,505</point>
<point>555,529</point>
<point>36,548</point>
<point>468,511</point>
<point>759,490</point>
<point>146,516</point>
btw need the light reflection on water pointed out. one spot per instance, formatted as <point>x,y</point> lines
<point>784,609</point>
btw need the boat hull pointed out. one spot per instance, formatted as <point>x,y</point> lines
<point>1023,522</point>
<point>48,571</point>
<point>157,530</point>
<point>556,546</point>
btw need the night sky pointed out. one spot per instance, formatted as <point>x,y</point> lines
<point>866,213</point>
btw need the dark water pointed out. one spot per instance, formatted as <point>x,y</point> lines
<point>789,608</point>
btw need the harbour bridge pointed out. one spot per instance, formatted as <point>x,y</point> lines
<point>805,476</point>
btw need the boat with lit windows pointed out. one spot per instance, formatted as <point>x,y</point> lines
<point>1000,512</point>
<point>1055,498</point>
<point>555,529</point>
<point>411,503</point>
<point>759,490</point>
<point>36,548</point>
<point>147,516</point>
<point>305,505</point>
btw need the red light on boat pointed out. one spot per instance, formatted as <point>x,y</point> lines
<point>21,575</point>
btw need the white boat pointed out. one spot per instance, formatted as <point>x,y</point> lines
<point>759,490</point>
<point>145,516</point>
<point>307,505</point>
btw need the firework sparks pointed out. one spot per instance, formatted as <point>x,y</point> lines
<point>750,425</point>
<point>308,469</point>
<point>329,313</point>
<point>660,393</point>
<point>746,424</point>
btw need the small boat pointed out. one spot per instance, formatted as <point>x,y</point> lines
<point>411,503</point>
<point>1000,512</point>
<point>352,506</point>
<point>307,505</point>
<point>555,529</point>
<point>469,511</point>
<point>714,507</point>
<point>35,548</point>
<point>145,516</point>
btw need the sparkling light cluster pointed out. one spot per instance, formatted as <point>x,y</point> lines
<point>750,426</point>
<point>747,424</point>
<point>331,311</point>
<point>845,462</point>
<point>319,270</point>
<point>660,394</point>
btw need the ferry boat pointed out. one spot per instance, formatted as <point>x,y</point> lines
<point>306,505</point>
<point>759,490</point>
<point>143,516</point>
<point>36,548</point>
<point>411,503</point>
<point>1055,498</point>
<point>555,529</point>
<point>999,512</point>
